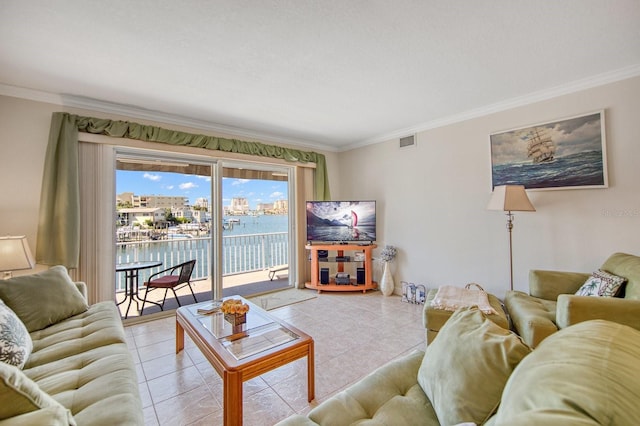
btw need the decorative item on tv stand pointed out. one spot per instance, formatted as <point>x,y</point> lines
<point>353,263</point>
<point>387,255</point>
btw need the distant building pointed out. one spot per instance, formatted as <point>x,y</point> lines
<point>155,201</point>
<point>281,206</point>
<point>239,205</point>
<point>140,216</point>
<point>203,203</point>
<point>125,199</point>
<point>201,216</point>
<point>264,207</point>
<point>183,212</point>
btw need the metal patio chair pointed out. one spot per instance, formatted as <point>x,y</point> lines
<point>178,277</point>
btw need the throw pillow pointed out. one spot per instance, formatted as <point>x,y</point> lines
<point>465,368</point>
<point>43,299</point>
<point>15,342</point>
<point>601,284</point>
<point>20,395</point>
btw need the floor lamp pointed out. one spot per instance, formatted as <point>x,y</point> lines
<point>510,198</point>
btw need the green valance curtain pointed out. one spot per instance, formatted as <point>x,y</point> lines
<point>59,220</point>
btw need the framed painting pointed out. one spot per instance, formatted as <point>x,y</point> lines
<point>569,153</point>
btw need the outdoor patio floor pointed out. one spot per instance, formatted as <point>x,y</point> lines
<point>240,284</point>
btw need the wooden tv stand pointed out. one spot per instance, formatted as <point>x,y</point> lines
<point>336,252</point>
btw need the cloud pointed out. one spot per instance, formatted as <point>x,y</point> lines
<point>240,181</point>
<point>207,178</point>
<point>170,187</point>
<point>152,177</point>
<point>188,185</point>
<point>276,194</point>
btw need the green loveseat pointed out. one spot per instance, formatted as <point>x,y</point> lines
<point>552,303</point>
<point>77,369</point>
<point>478,373</point>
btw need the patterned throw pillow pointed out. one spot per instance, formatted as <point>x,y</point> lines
<point>15,341</point>
<point>601,284</point>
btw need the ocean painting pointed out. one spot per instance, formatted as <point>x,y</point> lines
<point>563,154</point>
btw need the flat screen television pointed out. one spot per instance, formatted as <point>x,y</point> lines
<point>341,221</point>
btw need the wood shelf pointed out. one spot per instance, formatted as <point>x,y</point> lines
<point>340,250</point>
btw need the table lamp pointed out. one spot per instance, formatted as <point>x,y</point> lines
<point>510,198</point>
<point>15,255</point>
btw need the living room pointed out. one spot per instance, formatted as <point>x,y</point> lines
<point>431,197</point>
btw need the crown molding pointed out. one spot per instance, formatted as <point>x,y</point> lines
<point>554,92</point>
<point>30,94</point>
<point>140,113</point>
<point>145,114</point>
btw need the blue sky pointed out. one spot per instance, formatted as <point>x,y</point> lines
<point>193,187</point>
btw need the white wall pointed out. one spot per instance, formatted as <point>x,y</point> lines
<point>24,129</point>
<point>432,198</point>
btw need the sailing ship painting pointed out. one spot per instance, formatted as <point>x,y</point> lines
<point>564,154</point>
<point>540,146</point>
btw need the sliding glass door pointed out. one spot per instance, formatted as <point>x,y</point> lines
<point>256,228</point>
<point>232,218</point>
<point>163,217</point>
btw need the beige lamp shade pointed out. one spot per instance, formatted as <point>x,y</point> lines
<point>15,254</point>
<point>510,198</point>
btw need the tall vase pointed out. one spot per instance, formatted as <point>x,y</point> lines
<point>386,283</point>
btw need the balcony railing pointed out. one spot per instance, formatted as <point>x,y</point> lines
<point>240,254</point>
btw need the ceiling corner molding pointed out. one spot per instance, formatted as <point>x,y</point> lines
<point>161,117</point>
<point>542,95</point>
<point>30,94</point>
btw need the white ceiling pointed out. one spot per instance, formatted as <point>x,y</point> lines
<point>328,74</point>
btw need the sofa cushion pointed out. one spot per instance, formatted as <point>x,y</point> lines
<point>584,374</point>
<point>99,326</point>
<point>15,342</point>
<point>388,396</point>
<point>52,291</point>
<point>628,266</point>
<point>533,318</point>
<point>19,395</point>
<point>84,364</point>
<point>601,284</point>
<point>465,369</point>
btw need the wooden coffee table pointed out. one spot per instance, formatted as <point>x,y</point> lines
<point>243,352</point>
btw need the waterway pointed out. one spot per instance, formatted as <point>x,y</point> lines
<point>251,243</point>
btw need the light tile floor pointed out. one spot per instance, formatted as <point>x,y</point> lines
<point>354,334</point>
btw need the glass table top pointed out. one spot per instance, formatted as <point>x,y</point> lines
<point>258,334</point>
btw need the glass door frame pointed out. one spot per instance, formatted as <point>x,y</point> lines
<point>291,216</point>
<point>146,155</point>
<point>217,164</point>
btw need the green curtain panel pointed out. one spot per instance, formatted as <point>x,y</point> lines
<point>59,221</point>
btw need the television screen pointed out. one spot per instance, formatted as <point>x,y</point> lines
<point>341,221</point>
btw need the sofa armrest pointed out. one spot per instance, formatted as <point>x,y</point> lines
<point>572,309</point>
<point>82,287</point>
<point>549,284</point>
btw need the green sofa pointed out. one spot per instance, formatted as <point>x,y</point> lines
<point>476,372</point>
<point>552,303</point>
<point>76,367</point>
